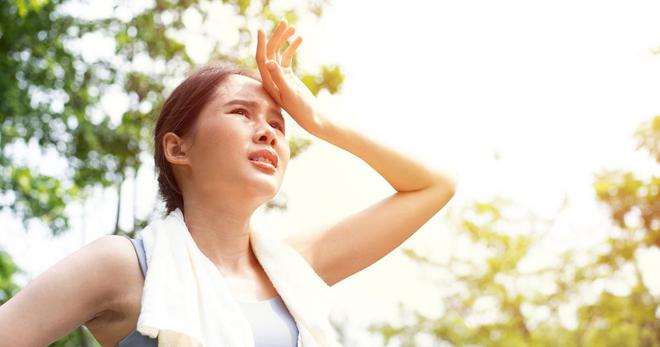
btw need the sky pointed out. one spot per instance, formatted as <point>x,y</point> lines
<point>553,89</point>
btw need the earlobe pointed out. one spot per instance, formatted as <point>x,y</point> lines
<point>173,149</point>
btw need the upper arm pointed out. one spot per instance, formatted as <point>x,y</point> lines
<point>339,250</point>
<point>65,296</point>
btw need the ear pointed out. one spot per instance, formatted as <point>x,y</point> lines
<point>175,149</point>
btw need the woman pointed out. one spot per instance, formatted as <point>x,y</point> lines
<point>221,152</point>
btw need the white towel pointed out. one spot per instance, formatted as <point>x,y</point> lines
<point>186,300</point>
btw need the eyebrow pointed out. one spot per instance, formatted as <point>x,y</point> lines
<point>253,105</point>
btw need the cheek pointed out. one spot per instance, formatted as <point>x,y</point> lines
<point>285,157</point>
<point>219,141</point>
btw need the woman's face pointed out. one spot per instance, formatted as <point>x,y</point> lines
<point>240,119</point>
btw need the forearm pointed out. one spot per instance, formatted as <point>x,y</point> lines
<point>402,173</point>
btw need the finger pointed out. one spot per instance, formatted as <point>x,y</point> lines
<point>273,41</point>
<point>269,85</point>
<point>261,46</point>
<point>261,57</point>
<point>266,79</point>
<point>290,51</point>
<point>285,37</point>
<point>276,74</point>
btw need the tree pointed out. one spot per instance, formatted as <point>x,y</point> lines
<point>493,301</point>
<point>634,204</point>
<point>52,94</point>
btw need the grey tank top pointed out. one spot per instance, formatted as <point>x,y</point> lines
<point>271,322</point>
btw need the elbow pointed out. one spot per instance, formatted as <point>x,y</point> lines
<point>444,188</point>
<point>446,182</point>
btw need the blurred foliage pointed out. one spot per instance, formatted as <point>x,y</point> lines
<point>648,136</point>
<point>490,297</point>
<point>8,270</point>
<point>53,94</point>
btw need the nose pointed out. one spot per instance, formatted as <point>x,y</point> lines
<point>266,134</point>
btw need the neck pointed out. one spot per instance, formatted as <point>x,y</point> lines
<point>222,232</point>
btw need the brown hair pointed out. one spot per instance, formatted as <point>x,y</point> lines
<point>179,114</point>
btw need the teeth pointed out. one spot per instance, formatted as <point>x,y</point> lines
<point>262,159</point>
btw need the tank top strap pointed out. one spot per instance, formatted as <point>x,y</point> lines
<point>138,244</point>
<point>135,338</point>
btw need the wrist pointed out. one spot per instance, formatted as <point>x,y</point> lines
<point>326,128</point>
<point>318,124</point>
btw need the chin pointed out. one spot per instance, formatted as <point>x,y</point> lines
<point>266,189</point>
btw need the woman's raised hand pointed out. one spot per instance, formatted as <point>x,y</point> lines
<point>280,81</point>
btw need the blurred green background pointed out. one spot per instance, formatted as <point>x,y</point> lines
<point>51,92</point>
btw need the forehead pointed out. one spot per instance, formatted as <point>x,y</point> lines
<point>238,87</point>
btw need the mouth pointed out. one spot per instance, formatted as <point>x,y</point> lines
<point>264,156</point>
<point>264,165</point>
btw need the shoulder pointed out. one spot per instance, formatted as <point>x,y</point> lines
<point>112,261</point>
<point>116,259</point>
<point>105,258</point>
<point>92,281</point>
<point>111,252</point>
<point>113,249</point>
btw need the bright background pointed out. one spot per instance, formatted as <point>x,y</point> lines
<point>519,99</point>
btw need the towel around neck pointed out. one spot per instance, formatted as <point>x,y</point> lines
<point>186,301</point>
